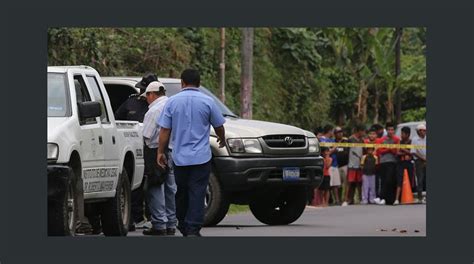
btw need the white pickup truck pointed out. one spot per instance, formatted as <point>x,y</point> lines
<point>94,161</point>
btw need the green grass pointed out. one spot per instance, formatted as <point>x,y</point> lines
<point>236,208</point>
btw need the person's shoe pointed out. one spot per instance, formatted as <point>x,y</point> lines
<point>396,202</point>
<point>170,231</point>
<point>372,202</point>
<point>377,200</point>
<point>382,202</point>
<point>143,225</point>
<point>131,227</point>
<point>363,202</point>
<point>344,204</point>
<point>154,232</point>
<point>423,200</point>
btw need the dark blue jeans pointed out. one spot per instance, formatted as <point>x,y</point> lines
<point>192,182</point>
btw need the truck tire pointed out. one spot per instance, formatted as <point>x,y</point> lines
<point>282,209</point>
<point>62,212</point>
<point>216,203</point>
<point>115,213</point>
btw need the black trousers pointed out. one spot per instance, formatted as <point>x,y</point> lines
<point>139,203</point>
<point>388,178</point>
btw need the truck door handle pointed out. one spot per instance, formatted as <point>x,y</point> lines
<point>100,140</point>
<point>113,140</point>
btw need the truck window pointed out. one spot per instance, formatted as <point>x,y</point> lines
<point>82,95</point>
<point>104,118</point>
<point>58,99</point>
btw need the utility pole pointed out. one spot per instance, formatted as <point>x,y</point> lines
<point>246,77</point>
<point>222,66</point>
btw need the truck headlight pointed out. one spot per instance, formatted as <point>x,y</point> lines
<point>53,151</point>
<point>236,145</point>
<point>252,146</point>
<point>313,145</point>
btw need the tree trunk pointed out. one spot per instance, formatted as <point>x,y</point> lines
<point>246,77</point>
<point>222,66</point>
<point>340,117</point>
<point>389,105</point>
<point>398,98</point>
<point>376,103</point>
<point>362,102</point>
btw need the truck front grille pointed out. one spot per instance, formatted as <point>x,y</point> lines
<point>285,141</point>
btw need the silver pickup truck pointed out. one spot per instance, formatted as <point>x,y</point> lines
<point>268,166</point>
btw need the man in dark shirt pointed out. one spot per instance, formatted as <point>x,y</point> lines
<point>135,107</point>
<point>342,155</point>
<point>404,163</point>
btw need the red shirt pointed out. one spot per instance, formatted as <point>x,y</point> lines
<point>327,165</point>
<point>382,140</point>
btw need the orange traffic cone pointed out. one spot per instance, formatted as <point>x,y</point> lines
<point>407,195</point>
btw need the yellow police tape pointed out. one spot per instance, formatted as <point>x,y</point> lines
<point>370,145</point>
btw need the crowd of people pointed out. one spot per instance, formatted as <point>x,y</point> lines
<point>370,175</point>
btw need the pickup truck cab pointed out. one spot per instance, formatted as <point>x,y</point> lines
<point>269,166</point>
<point>94,161</point>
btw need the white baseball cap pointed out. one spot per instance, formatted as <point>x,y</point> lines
<point>154,86</point>
<point>421,126</point>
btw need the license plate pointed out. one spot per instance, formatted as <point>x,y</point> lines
<point>291,174</point>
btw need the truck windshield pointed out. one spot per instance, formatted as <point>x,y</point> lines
<point>174,88</point>
<point>57,94</point>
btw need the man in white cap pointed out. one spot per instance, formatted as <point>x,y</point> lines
<point>420,159</point>
<point>161,183</point>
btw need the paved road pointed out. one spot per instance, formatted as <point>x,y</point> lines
<point>356,220</point>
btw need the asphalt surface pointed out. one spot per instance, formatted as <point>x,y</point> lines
<point>353,220</point>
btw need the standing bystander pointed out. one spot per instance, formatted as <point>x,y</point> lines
<point>404,163</point>
<point>354,172</point>
<point>388,166</point>
<point>420,160</point>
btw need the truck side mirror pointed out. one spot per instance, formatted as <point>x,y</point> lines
<point>89,110</point>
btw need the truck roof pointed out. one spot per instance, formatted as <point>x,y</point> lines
<point>136,79</point>
<point>66,68</point>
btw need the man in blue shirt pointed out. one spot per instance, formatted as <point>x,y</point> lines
<point>187,118</point>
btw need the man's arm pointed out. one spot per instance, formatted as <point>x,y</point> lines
<point>163,140</point>
<point>220,132</point>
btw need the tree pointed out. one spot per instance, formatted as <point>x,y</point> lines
<point>246,73</point>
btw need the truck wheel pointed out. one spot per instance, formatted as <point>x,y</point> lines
<point>62,213</point>
<point>116,212</point>
<point>216,202</point>
<point>283,209</point>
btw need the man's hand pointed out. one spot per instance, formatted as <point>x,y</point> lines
<point>161,160</point>
<point>220,132</point>
<point>221,142</point>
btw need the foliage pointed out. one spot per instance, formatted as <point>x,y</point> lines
<point>306,77</point>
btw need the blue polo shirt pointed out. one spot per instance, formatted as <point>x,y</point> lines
<point>189,114</point>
